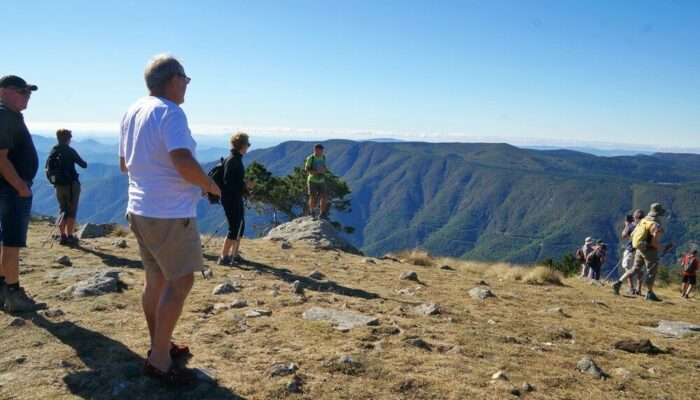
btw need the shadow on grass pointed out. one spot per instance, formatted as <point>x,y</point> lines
<point>308,283</point>
<point>115,370</point>
<point>111,260</point>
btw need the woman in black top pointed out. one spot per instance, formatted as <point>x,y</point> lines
<point>68,190</point>
<point>234,189</point>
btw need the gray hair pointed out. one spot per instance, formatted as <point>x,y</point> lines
<point>159,70</point>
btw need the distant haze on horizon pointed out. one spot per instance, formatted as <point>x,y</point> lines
<point>607,75</point>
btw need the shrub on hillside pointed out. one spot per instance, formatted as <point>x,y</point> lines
<point>415,257</point>
<point>543,275</point>
<point>567,266</point>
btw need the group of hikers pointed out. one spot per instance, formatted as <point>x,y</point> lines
<point>641,257</point>
<point>156,150</point>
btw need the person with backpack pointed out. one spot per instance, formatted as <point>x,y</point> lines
<point>646,242</point>
<point>315,165</point>
<point>633,276</point>
<point>582,254</point>
<point>596,259</point>
<point>60,171</point>
<point>233,190</point>
<point>690,268</point>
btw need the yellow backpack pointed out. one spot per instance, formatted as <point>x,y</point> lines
<point>641,235</point>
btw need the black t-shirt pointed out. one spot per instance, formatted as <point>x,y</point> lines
<point>69,157</point>
<point>15,137</point>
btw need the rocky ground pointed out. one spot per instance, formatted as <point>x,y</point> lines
<point>360,328</point>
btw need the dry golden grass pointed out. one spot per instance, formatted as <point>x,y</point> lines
<point>103,339</point>
<point>415,257</point>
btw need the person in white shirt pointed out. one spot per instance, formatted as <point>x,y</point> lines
<point>165,182</point>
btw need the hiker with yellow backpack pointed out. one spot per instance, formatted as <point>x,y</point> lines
<point>645,241</point>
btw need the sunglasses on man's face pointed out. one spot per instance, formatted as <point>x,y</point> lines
<point>22,91</point>
<point>187,78</point>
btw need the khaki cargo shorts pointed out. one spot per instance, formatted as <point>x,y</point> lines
<point>647,260</point>
<point>170,246</point>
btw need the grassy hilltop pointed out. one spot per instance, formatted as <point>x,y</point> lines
<point>96,347</point>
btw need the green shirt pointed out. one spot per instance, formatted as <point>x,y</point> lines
<point>312,162</point>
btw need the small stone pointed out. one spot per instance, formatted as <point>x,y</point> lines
<point>120,244</point>
<point>491,322</point>
<point>428,309</point>
<point>515,391</point>
<point>294,386</point>
<point>274,293</point>
<point>499,376</point>
<point>17,321</point>
<point>297,287</point>
<point>409,275</point>
<point>257,313</point>
<point>587,365</point>
<point>259,303</point>
<point>420,343</point>
<point>527,388</point>
<point>553,310</point>
<point>65,260</point>
<point>221,306</point>
<point>623,373</point>
<point>368,261</point>
<point>447,268</point>
<point>480,293</point>
<point>651,370</point>
<point>64,364</point>
<point>481,282</point>
<point>239,303</point>
<point>405,292</point>
<point>224,288</point>
<point>53,313</point>
<point>19,359</point>
<point>285,246</point>
<point>316,274</point>
<point>278,369</point>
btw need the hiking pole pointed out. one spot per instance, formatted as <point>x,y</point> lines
<point>215,232</point>
<point>613,270</point>
<point>55,224</point>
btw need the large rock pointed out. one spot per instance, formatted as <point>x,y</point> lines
<point>317,233</point>
<point>101,283</point>
<point>427,309</point>
<point>637,346</point>
<point>480,293</point>
<point>588,366</point>
<point>89,231</point>
<point>675,329</point>
<point>344,320</point>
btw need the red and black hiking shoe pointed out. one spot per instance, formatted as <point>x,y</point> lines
<point>176,351</point>
<point>174,375</point>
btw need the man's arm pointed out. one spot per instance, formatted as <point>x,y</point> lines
<point>656,238</point>
<point>9,172</point>
<point>190,170</point>
<point>122,165</point>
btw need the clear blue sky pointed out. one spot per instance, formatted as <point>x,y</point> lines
<point>547,71</point>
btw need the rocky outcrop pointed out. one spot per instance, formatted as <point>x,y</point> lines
<point>89,231</point>
<point>317,233</point>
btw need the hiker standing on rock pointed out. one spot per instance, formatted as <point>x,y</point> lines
<point>60,169</point>
<point>157,150</point>
<point>583,256</point>
<point>315,165</point>
<point>19,163</point>
<point>690,268</point>
<point>595,260</point>
<point>634,277</point>
<point>645,241</point>
<point>233,191</point>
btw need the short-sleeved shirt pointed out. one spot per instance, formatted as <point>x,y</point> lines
<point>15,137</point>
<point>313,162</point>
<point>587,249</point>
<point>628,233</point>
<point>694,266</point>
<point>152,128</point>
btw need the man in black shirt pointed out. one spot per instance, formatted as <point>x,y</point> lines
<point>18,166</point>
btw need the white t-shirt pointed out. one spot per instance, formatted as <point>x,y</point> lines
<point>150,130</point>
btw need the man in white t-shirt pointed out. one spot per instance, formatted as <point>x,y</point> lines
<point>165,182</point>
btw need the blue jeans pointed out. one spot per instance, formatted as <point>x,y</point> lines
<point>14,217</point>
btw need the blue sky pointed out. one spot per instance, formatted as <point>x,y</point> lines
<point>525,72</point>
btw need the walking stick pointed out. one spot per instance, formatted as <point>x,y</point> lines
<point>55,224</point>
<point>613,270</point>
<point>214,234</point>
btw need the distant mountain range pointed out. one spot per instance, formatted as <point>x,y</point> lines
<point>471,200</point>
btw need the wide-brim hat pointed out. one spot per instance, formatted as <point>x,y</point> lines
<point>656,210</point>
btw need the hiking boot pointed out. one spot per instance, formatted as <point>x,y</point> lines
<point>176,351</point>
<point>174,375</point>
<point>324,216</point>
<point>239,260</point>
<point>17,300</point>
<point>72,240</point>
<point>652,297</point>
<point>63,241</point>
<point>3,294</point>
<point>225,260</point>
<point>616,287</point>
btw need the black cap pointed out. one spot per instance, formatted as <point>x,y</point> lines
<point>13,80</point>
<point>318,146</point>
